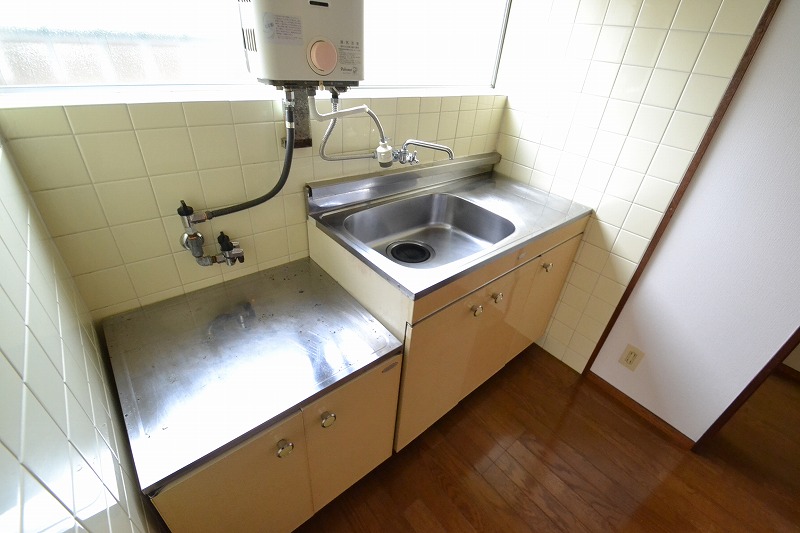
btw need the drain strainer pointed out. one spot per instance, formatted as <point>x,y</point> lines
<point>410,251</point>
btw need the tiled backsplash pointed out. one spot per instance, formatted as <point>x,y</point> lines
<point>64,461</point>
<point>109,178</point>
<point>608,101</point>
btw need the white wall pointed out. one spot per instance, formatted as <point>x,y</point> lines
<point>63,451</point>
<point>719,297</point>
<point>607,103</point>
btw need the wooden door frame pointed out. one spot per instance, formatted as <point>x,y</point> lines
<point>794,340</point>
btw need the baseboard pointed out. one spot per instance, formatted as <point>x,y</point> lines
<point>667,430</point>
<point>788,372</point>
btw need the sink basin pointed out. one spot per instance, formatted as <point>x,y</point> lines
<point>427,231</point>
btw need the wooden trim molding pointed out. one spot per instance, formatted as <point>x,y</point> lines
<point>788,372</point>
<point>736,81</point>
<point>626,401</point>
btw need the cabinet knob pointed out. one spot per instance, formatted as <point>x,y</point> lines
<point>328,419</point>
<point>497,297</point>
<point>477,310</point>
<point>285,448</point>
<point>547,266</point>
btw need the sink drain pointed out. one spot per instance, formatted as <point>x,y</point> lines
<point>410,251</point>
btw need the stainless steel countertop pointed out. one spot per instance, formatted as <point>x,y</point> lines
<point>533,212</point>
<point>199,373</point>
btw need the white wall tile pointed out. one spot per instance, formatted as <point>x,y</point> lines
<point>644,47</point>
<point>600,78</point>
<point>154,275</point>
<point>215,146</point>
<point>655,193</point>
<point>664,88</point>
<point>166,150</point>
<point>207,113</point>
<point>657,13</point>
<point>650,123</point>
<point>622,12</point>
<point>629,246</point>
<point>34,122</point>
<point>642,221</point>
<point>104,288</point>
<point>681,50</point>
<point>670,163</point>
<point>686,130</point>
<point>612,43</point>
<point>99,118</point>
<point>223,186</point>
<point>697,16</point>
<point>10,410</point>
<point>613,210</point>
<point>127,201</point>
<point>591,12</point>
<point>618,116</point>
<point>636,154</point>
<point>738,16</point>
<point>157,115</point>
<point>721,54</point>
<point>631,82</point>
<point>89,251</point>
<point>63,166</point>
<point>702,94</point>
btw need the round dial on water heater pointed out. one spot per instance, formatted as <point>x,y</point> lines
<point>322,56</point>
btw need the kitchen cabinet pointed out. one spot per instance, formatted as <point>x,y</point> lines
<point>350,430</point>
<point>453,351</point>
<point>261,485</point>
<point>277,479</point>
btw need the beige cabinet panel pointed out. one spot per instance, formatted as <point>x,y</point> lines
<point>494,333</point>
<point>247,489</point>
<point>360,420</point>
<point>436,355</point>
<point>539,284</point>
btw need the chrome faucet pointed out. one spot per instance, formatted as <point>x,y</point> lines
<point>403,156</point>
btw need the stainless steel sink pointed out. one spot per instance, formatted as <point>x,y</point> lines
<point>427,231</point>
<point>443,219</point>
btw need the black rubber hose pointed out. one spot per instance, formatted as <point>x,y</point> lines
<point>287,166</point>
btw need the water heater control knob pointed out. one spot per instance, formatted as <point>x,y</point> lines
<point>322,56</point>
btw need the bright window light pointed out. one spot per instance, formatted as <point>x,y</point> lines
<point>148,42</point>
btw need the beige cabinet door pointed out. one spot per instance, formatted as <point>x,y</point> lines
<point>250,488</point>
<point>350,430</point>
<point>539,283</point>
<point>494,333</point>
<point>436,354</point>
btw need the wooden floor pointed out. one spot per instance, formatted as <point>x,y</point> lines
<point>538,449</point>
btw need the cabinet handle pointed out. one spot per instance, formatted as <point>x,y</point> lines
<point>547,266</point>
<point>477,310</point>
<point>285,448</point>
<point>497,297</point>
<point>328,419</point>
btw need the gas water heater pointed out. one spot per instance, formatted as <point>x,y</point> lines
<point>291,43</point>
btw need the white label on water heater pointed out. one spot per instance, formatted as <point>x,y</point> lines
<point>283,29</point>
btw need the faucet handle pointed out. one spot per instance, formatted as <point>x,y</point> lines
<point>412,160</point>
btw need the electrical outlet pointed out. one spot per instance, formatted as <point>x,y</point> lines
<point>631,357</point>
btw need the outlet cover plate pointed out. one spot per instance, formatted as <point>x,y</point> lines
<point>631,357</point>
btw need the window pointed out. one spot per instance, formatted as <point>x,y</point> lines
<point>120,42</point>
<point>143,42</point>
<point>432,42</point>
